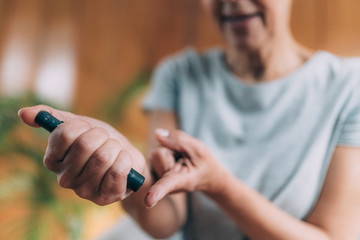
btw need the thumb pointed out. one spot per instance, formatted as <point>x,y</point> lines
<point>28,114</point>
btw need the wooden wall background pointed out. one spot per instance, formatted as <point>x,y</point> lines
<point>115,39</point>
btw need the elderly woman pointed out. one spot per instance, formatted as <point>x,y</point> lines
<point>269,147</point>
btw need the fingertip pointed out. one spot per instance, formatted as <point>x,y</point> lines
<point>163,136</point>
<point>150,200</point>
<point>161,132</point>
<point>147,200</point>
<point>20,111</point>
<point>27,115</point>
<point>152,205</point>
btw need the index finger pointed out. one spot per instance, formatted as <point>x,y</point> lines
<point>172,181</point>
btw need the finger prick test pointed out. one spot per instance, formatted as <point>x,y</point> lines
<point>47,121</point>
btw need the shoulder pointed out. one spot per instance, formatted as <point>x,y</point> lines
<point>343,69</point>
<point>331,75</point>
<point>344,81</point>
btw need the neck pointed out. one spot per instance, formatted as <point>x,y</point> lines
<point>269,62</point>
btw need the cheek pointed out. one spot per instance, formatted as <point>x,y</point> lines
<point>269,3</point>
<point>211,7</point>
<point>276,13</point>
<point>275,7</point>
<point>206,4</point>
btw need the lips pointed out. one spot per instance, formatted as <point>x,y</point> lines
<point>238,18</point>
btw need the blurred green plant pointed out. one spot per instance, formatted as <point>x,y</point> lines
<point>29,203</point>
<point>114,107</point>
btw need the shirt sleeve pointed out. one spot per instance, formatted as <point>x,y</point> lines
<point>350,134</point>
<point>350,131</point>
<point>163,92</point>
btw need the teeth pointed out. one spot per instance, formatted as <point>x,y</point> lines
<point>238,17</point>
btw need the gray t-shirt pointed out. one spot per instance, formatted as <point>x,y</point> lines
<point>277,137</point>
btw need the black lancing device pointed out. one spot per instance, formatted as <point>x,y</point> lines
<point>47,121</point>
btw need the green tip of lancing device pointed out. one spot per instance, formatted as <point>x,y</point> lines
<point>47,121</point>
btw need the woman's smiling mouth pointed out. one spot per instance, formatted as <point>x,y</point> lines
<point>238,20</point>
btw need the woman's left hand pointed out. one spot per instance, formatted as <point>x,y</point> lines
<point>195,170</point>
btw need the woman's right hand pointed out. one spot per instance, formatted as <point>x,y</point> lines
<point>193,169</point>
<point>88,156</point>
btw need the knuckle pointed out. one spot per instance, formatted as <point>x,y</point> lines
<point>158,153</point>
<point>112,142</point>
<point>59,136</point>
<point>102,201</point>
<point>153,154</point>
<point>100,132</point>
<point>84,192</point>
<point>87,142</point>
<point>64,181</point>
<point>78,123</point>
<point>99,158</point>
<point>116,174</point>
<point>166,162</point>
<point>180,138</point>
<point>176,135</point>
<point>84,145</point>
<point>201,150</point>
<point>165,165</point>
<point>66,131</point>
<point>121,170</point>
<point>163,152</point>
<point>107,152</point>
<point>125,157</point>
<point>49,163</point>
<point>126,161</point>
<point>43,106</point>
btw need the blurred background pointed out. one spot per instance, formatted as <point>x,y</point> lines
<point>95,58</point>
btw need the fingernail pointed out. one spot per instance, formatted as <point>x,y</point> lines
<point>147,195</point>
<point>19,112</point>
<point>152,205</point>
<point>123,196</point>
<point>162,132</point>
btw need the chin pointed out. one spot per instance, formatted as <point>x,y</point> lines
<point>249,38</point>
<point>246,44</point>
